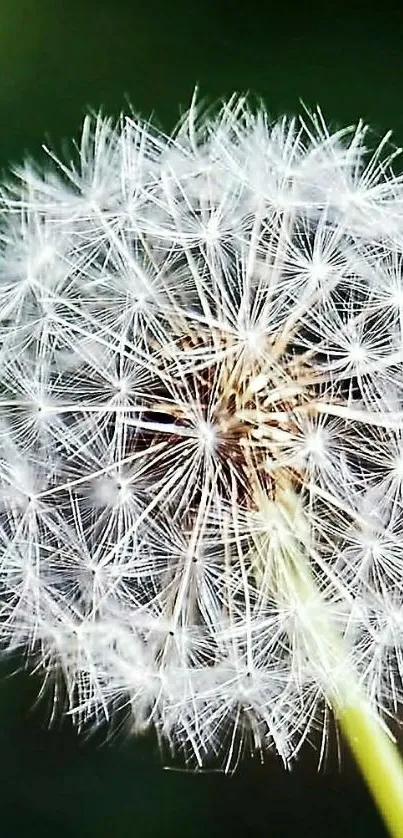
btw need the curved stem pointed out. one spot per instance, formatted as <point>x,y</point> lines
<point>379,760</point>
<point>287,569</point>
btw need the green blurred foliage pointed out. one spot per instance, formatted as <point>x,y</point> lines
<point>57,58</point>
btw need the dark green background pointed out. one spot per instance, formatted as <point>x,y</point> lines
<point>58,57</point>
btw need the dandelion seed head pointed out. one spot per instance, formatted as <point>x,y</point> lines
<point>200,426</point>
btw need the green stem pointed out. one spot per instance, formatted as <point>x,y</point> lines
<point>379,761</point>
<point>287,570</point>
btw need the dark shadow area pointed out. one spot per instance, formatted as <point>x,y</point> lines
<point>55,782</point>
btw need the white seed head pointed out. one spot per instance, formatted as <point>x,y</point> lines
<point>201,423</point>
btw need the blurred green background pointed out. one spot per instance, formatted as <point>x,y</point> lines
<point>57,58</point>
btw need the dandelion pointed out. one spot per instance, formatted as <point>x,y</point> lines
<point>201,433</point>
